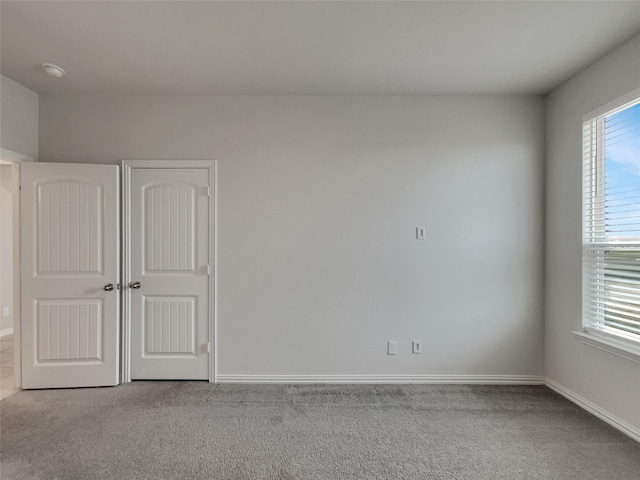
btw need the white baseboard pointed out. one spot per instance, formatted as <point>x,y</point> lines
<point>373,379</point>
<point>592,408</point>
<point>6,331</point>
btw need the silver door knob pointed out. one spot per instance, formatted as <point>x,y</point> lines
<point>108,287</point>
<point>134,285</point>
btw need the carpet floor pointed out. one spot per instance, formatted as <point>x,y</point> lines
<point>193,430</point>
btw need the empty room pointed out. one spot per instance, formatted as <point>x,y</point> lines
<point>320,240</point>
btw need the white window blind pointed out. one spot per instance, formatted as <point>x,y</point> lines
<point>611,223</point>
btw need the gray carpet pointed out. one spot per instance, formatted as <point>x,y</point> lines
<point>191,430</point>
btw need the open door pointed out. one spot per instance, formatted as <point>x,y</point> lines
<point>70,274</point>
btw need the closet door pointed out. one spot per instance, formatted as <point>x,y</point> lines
<point>70,273</point>
<point>169,272</point>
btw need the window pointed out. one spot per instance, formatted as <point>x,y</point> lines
<point>611,223</point>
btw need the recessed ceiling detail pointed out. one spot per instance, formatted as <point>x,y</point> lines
<point>53,70</point>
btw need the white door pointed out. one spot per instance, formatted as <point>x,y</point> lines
<point>169,267</point>
<point>70,274</point>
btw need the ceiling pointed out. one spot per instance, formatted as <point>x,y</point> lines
<point>309,48</point>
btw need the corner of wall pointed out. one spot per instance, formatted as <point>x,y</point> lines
<point>19,118</point>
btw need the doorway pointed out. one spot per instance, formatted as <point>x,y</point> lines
<point>7,349</point>
<point>10,331</point>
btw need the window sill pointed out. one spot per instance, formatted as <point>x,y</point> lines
<point>608,343</point>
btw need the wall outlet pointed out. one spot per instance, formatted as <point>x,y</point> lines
<point>417,346</point>
<point>6,312</point>
<point>420,233</point>
<point>392,348</point>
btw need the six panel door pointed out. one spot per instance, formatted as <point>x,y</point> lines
<point>70,273</point>
<point>169,271</point>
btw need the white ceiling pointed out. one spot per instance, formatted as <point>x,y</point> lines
<point>236,47</point>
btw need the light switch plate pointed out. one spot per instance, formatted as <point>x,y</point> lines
<point>420,233</point>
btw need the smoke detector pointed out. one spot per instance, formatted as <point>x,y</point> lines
<point>53,70</point>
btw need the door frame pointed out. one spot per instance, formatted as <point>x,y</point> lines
<point>127,167</point>
<point>15,159</point>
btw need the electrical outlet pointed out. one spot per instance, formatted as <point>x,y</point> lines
<point>6,312</point>
<point>420,233</point>
<point>417,346</point>
<point>392,348</point>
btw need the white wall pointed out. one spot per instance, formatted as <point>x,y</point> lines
<point>610,382</point>
<point>18,118</point>
<point>319,198</point>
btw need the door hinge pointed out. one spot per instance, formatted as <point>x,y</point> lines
<point>209,347</point>
<point>208,269</point>
<point>206,191</point>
